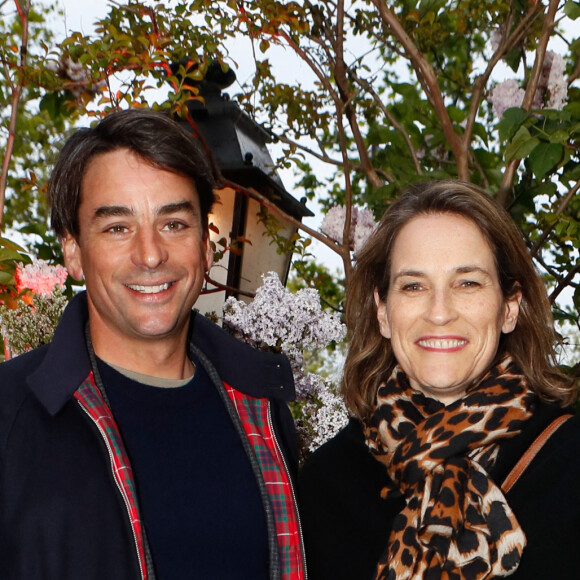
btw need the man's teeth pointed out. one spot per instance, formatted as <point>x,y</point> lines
<point>149,289</point>
<point>443,343</point>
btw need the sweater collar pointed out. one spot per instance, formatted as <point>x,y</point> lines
<point>66,364</point>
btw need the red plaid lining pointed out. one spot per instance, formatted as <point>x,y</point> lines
<point>255,415</point>
<point>91,400</point>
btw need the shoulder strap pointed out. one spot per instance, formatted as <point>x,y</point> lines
<point>532,451</point>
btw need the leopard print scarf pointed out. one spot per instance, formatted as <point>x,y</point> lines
<point>456,523</point>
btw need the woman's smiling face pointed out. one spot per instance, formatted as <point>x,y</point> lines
<point>444,311</point>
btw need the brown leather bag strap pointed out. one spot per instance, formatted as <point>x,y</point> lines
<point>532,451</point>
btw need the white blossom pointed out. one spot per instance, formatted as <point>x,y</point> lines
<point>327,415</point>
<point>551,92</point>
<point>506,95</point>
<point>362,225</point>
<point>333,222</point>
<point>294,323</point>
<point>282,320</point>
<point>556,85</point>
<point>495,39</point>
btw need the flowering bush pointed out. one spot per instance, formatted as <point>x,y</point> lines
<point>293,323</point>
<point>30,320</point>
<point>362,224</point>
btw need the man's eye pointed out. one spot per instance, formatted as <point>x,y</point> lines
<point>116,229</point>
<point>174,225</point>
<point>470,284</point>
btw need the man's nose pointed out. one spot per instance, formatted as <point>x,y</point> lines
<point>149,251</point>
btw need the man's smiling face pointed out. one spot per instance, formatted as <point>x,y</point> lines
<point>141,249</point>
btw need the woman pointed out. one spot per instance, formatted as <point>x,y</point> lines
<point>450,377</point>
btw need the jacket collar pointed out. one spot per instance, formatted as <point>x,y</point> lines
<point>67,364</point>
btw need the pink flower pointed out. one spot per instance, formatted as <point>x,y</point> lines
<point>39,277</point>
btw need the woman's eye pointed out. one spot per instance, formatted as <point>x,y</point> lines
<point>470,284</point>
<point>412,287</point>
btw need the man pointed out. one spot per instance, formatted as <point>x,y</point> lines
<point>144,441</point>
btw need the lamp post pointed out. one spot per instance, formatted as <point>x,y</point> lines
<point>238,146</point>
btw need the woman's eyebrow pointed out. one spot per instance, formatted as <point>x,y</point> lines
<point>411,273</point>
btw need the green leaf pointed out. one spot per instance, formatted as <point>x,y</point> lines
<point>8,254</point>
<point>544,158</point>
<point>513,58</point>
<point>572,10</point>
<point>511,121</point>
<point>6,278</point>
<point>559,136</point>
<point>521,145</point>
<point>5,243</point>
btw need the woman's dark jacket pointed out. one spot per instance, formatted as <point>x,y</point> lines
<point>64,515</point>
<point>346,524</point>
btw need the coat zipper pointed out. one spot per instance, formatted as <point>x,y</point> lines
<point>294,501</point>
<point>121,491</point>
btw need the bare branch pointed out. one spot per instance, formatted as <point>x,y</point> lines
<point>219,287</point>
<point>16,95</point>
<point>561,208</point>
<point>564,283</point>
<point>323,156</point>
<point>253,194</point>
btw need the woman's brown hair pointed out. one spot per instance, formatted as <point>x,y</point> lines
<point>370,358</point>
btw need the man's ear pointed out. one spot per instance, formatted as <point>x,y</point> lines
<point>72,256</point>
<point>208,253</point>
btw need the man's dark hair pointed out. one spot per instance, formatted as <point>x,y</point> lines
<point>153,136</point>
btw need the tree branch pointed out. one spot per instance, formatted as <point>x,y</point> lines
<point>564,283</point>
<point>16,95</point>
<point>428,80</point>
<point>561,208</point>
<point>398,126</point>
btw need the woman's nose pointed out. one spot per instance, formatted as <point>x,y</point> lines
<point>440,309</point>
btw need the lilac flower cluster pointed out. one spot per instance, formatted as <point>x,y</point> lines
<point>506,95</point>
<point>362,225</point>
<point>552,84</point>
<point>326,414</point>
<point>293,323</point>
<point>552,90</point>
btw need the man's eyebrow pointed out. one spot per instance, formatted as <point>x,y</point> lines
<point>105,211</point>
<point>112,211</point>
<point>177,207</point>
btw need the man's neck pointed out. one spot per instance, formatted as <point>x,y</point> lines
<point>163,358</point>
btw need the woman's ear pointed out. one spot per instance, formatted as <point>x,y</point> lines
<point>511,311</point>
<point>384,325</point>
